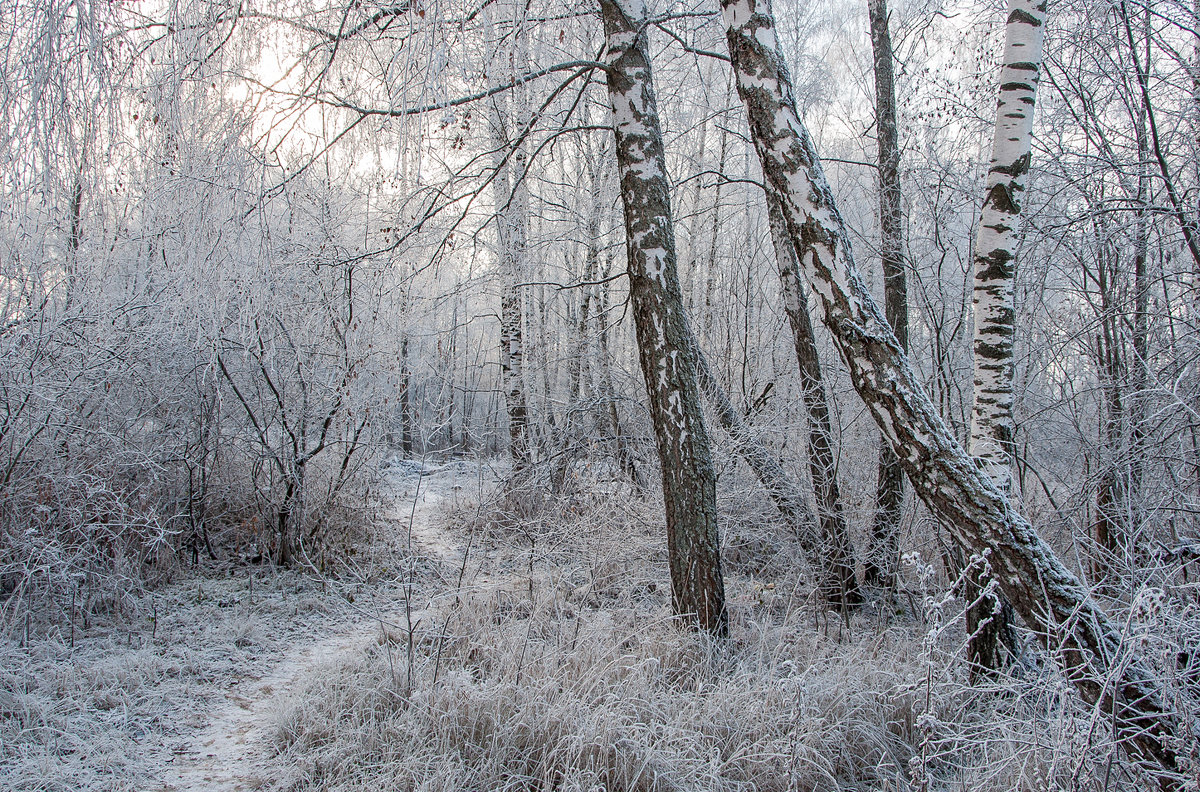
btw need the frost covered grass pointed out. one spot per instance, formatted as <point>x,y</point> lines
<point>529,645</point>
<point>109,705</point>
<point>551,662</point>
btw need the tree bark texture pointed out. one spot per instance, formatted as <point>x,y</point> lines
<point>996,242</point>
<point>835,551</point>
<point>511,195</point>
<point>990,632</point>
<point>889,494</point>
<point>1089,647</point>
<point>664,341</point>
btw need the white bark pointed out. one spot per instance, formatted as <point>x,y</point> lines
<point>991,635</point>
<point>1050,598</point>
<point>996,243</point>
<point>511,195</point>
<point>665,348</point>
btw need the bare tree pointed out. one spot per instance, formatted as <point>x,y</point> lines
<point>990,632</point>
<point>889,496</point>
<point>664,346</point>
<point>511,192</point>
<point>1048,596</point>
<point>835,551</point>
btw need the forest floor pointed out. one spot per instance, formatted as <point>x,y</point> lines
<point>183,694</point>
<point>488,641</point>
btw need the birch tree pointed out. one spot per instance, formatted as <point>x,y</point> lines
<point>511,194</point>
<point>989,616</point>
<point>996,243</point>
<point>1048,596</point>
<point>665,350</point>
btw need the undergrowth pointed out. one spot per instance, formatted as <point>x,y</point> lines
<point>550,661</point>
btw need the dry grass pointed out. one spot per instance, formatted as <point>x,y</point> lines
<point>555,665</point>
<point>108,706</point>
<point>541,655</point>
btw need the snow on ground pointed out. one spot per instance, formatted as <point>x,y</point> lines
<point>180,695</point>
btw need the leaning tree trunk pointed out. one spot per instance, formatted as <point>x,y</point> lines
<point>1048,596</point>
<point>837,584</point>
<point>889,491</point>
<point>991,638</point>
<point>664,347</point>
<point>836,551</point>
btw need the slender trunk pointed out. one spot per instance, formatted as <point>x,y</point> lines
<point>625,455</point>
<point>580,368</point>
<point>710,281</point>
<point>1141,327</point>
<point>889,491</point>
<point>991,637</point>
<point>664,346</point>
<point>836,551</point>
<point>406,417</point>
<point>693,229</point>
<point>1140,381</point>
<point>511,195</point>
<point>1108,529</point>
<point>1187,222</point>
<point>1045,593</point>
<point>285,527</point>
<point>544,361</point>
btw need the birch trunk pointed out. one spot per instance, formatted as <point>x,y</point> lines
<point>889,493</point>
<point>1049,597</point>
<point>511,195</point>
<point>989,617</point>
<point>665,350</point>
<point>835,552</point>
<point>996,242</point>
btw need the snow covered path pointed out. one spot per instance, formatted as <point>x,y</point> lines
<point>225,755</point>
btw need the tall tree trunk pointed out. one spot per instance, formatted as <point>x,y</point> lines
<point>406,415</point>
<point>710,280</point>
<point>1108,527</point>
<point>990,632</point>
<point>511,195</point>
<point>667,356</point>
<point>836,551</point>
<point>889,491</point>
<point>1138,408</point>
<point>1047,595</point>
